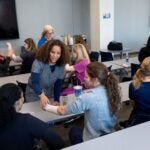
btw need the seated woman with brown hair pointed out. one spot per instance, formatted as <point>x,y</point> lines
<point>26,56</point>
<point>18,130</point>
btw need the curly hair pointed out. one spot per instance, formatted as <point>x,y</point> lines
<point>43,53</point>
<point>109,81</point>
<point>141,73</point>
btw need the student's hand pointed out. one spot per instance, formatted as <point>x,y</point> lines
<point>54,103</point>
<point>10,50</point>
<point>61,110</point>
<point>67,66</point>
<point>43,100</point>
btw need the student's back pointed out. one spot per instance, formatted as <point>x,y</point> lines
<point>18,131</point>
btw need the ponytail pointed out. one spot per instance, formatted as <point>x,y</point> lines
<point>113,92</point>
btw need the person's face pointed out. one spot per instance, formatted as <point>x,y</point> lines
<point>55,54</point>
<point>19,103</point>
<point>49,35</point>
<point>88,81</point>
<point>74,55</point>
<point>26,46</point>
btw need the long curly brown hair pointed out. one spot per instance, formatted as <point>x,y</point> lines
<point>109,81</point>
<point>141,73</point>
<point>43,53</point>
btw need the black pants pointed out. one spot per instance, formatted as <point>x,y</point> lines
<point>138,116</point>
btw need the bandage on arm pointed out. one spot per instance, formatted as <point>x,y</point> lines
<point>51,108</point>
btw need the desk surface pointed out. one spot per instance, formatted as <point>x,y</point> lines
<point>35,109</point>
<point>122,62</point>
<point>13,63</point>
<point>133,138</point>
<point>12,79</point>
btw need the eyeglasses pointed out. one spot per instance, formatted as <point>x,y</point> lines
<point>50,33</point>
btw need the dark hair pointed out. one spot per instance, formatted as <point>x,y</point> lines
<point>107,79</point>
<point>44,52</point>
<point>9,94</point>
<point>78,39</point>
<point>31,44</point>
<point>148,42</point>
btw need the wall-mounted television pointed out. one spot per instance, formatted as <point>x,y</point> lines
<point>8,20</point>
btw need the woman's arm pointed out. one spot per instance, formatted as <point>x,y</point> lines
<point>35,77</point>
<point>55,109</point>
<point>69,68</point>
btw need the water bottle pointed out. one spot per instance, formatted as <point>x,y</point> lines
<point>127,58</point>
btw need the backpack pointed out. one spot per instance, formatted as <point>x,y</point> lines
<point>116,46</point>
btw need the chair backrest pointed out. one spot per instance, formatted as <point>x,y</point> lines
<point>94,56</point>
<point>23,87</point>
<point>134,68</point>
<point>106,56</point>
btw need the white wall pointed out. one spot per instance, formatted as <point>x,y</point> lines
<point>67,16</point>
<point>106,24</point>
<point>102,29</point>
<point>132,22</point>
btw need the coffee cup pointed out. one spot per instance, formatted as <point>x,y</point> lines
<point>77,90</point>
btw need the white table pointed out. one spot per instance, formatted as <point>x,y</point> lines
<point>51,118</point>
<point>14,64</point>
<point>114,66</point>
<point>122,62</point>
<point>133,138</point>
<point>12,79</point>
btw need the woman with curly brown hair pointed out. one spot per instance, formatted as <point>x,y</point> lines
<point>47,73</point>
<point>99,104</point>
<point>139,92</point>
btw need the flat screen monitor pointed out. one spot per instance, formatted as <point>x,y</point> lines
<point>8,20</point>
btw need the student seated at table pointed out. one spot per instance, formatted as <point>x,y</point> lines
<point>18,131</point>
<point>77,71</point>
<point>27,55</point>
<point>145,51</point>
<point>99,104</point>
<point>5,61</point>
<point>139,92</point>
<point>47,73</point>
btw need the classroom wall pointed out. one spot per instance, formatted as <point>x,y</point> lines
<point>67,16</point>
<point>132,22</point>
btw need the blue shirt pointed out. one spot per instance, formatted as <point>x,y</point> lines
<point>98,118</point>
<point>141,96</point>
<point>41,42</point>
<point>47,80</point>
